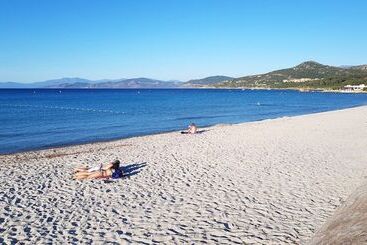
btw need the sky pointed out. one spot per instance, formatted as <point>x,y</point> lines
<point>175,39</point>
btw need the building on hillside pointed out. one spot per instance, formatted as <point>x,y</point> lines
<point>359,87</point>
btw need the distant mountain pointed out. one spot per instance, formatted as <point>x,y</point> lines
<point>70,85</point>
<point>56,82</point>
<point>45,84</point>
<point>308,74</point>
<point>85,83</point>
<point>360,67</point>
<point>14,85</point>
<point>207,81</point>
<point>139,83</point>
<point>305,70</point>
<point>123,83</point>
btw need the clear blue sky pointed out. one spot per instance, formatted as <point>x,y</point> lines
<point>172,39</point>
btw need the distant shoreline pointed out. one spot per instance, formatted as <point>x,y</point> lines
<point>188,88</point>
<point>294,89</point>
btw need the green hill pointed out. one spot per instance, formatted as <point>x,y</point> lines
<point>361,67</point>
<point>308,75</point>
<point>207,81</point>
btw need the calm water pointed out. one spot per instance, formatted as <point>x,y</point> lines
<point>34,119</point>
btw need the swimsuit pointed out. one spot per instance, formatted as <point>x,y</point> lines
<point>95,168</point>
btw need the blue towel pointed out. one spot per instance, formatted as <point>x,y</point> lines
<point>117,174</point>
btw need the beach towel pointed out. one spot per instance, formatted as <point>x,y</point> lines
<point>117,173</point>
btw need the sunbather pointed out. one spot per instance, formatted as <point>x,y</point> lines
<point>192,129</point>
<point>111,170</point>
<point>89,169</point>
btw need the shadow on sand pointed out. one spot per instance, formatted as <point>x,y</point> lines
<point>128,171</point>
<point>202,131</point>
<point>132,169</point>
<point>197,132</point>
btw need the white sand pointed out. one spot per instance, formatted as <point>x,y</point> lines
<point>274,181</point>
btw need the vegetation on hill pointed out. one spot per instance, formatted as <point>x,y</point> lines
<point>207,81</point>
<point>308,75</point>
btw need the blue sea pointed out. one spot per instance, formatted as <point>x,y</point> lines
<point>42,118</point>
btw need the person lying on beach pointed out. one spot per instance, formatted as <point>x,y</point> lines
<point>192,129</point>
<point>98,167</point>
<point>111,170</point>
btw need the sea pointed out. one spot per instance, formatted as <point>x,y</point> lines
<point>32,119</point>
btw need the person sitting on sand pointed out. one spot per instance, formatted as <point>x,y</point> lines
<point>111,170</point>
<point>192,129</point>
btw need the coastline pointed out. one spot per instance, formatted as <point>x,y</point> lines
<point>203,87</point>
<point>205,127</point>
<point>276,180</point>
<point>245,106</point>
<point>294,89</point>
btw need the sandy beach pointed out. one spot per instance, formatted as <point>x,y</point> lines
<point>274,181</point>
